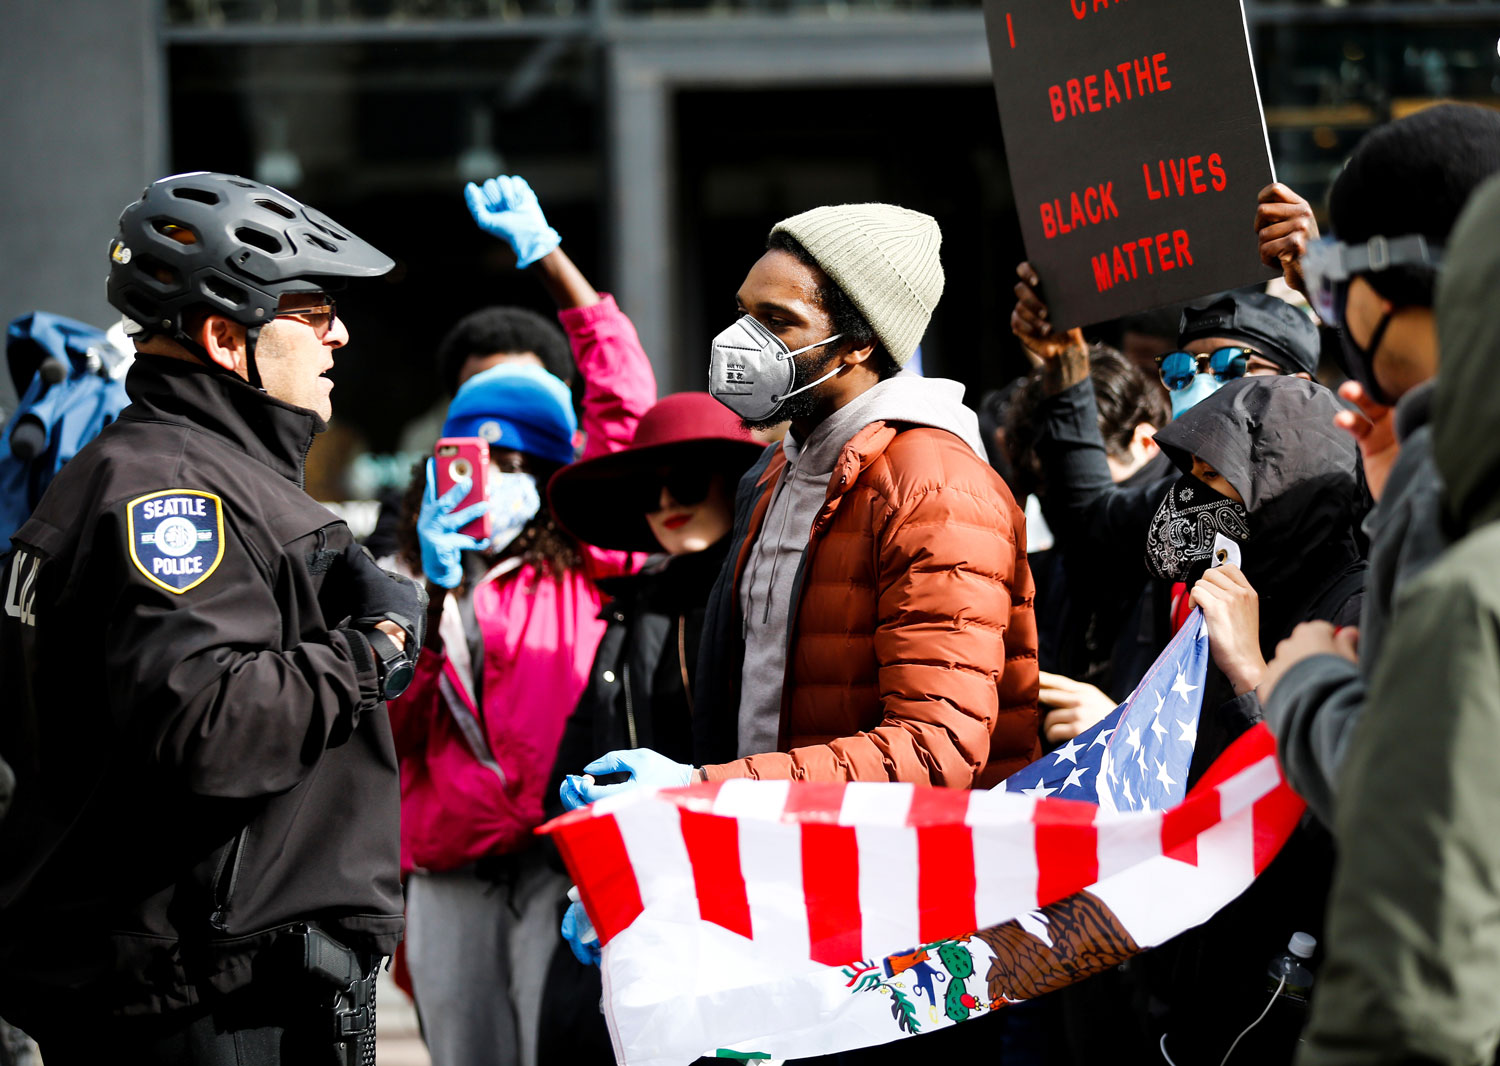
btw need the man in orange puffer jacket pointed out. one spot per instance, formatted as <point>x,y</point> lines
<point>873,621</point>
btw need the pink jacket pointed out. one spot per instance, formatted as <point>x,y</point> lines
<point>472,778</point>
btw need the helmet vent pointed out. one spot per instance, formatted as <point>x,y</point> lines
<point>319,242</point>
<point>276,209</point>
<point>230,294</point>
<point>149,267</point>
<point>203,196</point>
<point>264,241</point>
<point>176,230</point>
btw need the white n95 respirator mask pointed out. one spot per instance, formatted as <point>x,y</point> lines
<point>751,370</point>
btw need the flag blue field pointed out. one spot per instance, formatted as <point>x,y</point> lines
<point>1143,748</point>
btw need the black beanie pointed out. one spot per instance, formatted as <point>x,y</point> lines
<point>1414,175</point>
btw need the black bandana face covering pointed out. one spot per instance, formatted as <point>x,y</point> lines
<point>1181,538</point>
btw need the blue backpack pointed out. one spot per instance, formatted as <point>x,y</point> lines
<point>71,381</point>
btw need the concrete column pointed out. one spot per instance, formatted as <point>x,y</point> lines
<point>82,132</point>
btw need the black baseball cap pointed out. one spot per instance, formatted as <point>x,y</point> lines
<point>1270,325</point>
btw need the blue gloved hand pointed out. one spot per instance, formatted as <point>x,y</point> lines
<point>505,207</point>
<point>579,932</point>
<point>645,767</point>
<point>437,530</point>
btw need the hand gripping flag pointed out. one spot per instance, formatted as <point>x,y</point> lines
<point>772,919</point>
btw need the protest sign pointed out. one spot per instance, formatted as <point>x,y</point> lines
<point>1136,146</point>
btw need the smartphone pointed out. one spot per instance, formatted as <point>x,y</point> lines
<point>456,459</point>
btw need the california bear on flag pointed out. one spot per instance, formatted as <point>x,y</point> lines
<point>772,919</point>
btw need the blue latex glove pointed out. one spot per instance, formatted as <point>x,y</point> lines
<point>505,207</point>
<point>578,931</point>
<point>645,767</point>
<point>437,530</point>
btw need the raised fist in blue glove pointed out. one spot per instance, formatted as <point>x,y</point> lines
<point>644,766</point>
<point>579,932</point>
<point>438,528</point>
<point>506,207</point>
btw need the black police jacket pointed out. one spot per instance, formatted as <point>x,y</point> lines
<point>203,759</point>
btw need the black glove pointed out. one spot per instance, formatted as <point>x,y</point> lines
<point>380,596</point>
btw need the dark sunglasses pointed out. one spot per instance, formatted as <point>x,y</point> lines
<point>321,318</point>
<point>688,485</point>
<point>1179,368</point>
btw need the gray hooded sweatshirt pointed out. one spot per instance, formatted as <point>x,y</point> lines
<point>771,574</point>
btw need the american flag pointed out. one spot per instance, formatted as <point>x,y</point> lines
<point>777,919</point>
<point>1142,749</point>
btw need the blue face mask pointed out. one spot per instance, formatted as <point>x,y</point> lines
<point>1202,387</point>
<point>514,501</point>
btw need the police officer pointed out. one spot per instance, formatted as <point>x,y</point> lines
<point>201,863</point>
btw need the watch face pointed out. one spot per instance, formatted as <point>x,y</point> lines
<point>397,677</point>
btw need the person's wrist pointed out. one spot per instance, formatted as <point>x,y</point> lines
<point>1244,675</point>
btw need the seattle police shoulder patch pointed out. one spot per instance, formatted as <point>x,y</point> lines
<point>176,537</point>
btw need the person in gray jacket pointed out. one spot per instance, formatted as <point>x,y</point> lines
<point>1406,180</point>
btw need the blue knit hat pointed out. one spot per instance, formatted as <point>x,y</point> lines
<point>516,406</point>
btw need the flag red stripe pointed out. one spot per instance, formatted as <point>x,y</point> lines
<point>830,887</point>
<point>595,852</point>
<point>1183,823</point>
<point>713,847</point>
<point>1067,849</point>
<point>945,863</point>
<point>1274,817</point>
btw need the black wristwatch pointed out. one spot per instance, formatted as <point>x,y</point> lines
<point>393,666</point>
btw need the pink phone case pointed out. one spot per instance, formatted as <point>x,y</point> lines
<point>457,458</point>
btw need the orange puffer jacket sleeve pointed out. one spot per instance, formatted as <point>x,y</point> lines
<point>914,653</point>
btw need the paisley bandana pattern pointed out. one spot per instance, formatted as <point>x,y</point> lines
<point>1181,537</point>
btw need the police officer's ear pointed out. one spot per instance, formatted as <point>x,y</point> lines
<point>224,341</point>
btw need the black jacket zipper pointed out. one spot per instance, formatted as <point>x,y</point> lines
<point>225,878</point>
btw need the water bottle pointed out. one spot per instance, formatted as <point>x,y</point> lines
<point>1273,1039</point>
<point>1291,967</point>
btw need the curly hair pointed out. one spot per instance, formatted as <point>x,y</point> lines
<point>542,543</point>
<point>503,329</point>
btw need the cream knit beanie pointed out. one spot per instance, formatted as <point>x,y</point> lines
<point>885,258</point>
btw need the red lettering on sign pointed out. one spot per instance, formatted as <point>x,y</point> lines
<point>1010,29</point>
<point>1164,252</point>
<point>1167,251</point>
<point>1216,172</point>
<point>1180,245</point>
<point>1079,10</point>
<point>1077,96</point>
<point>1181,177</point>
<point>1094,205</point>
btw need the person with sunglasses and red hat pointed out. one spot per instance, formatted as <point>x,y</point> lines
<point>669,494</point>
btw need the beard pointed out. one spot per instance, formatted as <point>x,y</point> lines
<point>808,366</point>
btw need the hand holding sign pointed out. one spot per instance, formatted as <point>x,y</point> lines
<point>1062,354</point>
<point>1285,225</point>
<point>1136,143</point>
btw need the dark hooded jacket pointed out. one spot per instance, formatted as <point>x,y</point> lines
<point>1413,967</point>
<point>1274,440</point>
<point>1317,702</point>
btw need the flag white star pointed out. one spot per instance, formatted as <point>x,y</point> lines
<point>1159,729</point>
<point>1140,758</point>
<point>1188,731</point>
<point>1069,751</point>
<point>1162,775</point>
<point>1181,687</point>
<point>1160,702</point>
<point>1038,791</point>
<point>1133,738</point>
<point>1125,789</point>
<point>1103,737</point>
<point>1075,778</point>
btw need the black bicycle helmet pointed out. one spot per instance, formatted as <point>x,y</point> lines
<point>230,245</point>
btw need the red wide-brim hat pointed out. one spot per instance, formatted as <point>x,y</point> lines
<point>601,500</point>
